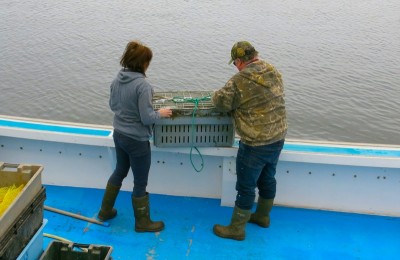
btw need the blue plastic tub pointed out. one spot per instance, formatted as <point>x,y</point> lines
<point>35,247</point>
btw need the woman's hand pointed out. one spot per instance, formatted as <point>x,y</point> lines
<point>165,112</point>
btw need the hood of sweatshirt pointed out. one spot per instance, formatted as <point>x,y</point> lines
<point>126,76</point>
<point>262,73</point>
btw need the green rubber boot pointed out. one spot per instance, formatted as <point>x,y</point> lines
<point>261,215</point>
<point>110,195</point>
<point>143,223</point>
<point>236,229</point>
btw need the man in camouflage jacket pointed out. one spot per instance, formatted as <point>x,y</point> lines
<point>255,97</point>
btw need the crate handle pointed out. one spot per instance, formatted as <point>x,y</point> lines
<point>11,166</point>
<point>16,167</point>
<point>83,247</point>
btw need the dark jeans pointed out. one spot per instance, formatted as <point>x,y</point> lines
<point>256,167</point>
<point>135,155</point>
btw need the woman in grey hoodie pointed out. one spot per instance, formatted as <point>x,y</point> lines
<point>131,101</point>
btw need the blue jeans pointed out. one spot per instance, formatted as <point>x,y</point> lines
<point>135,155</point>
<point>256,167</point>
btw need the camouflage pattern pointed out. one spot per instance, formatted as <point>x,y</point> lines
<point>243,50</point>
<point>255,96</point>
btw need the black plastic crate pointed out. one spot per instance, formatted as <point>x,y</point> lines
<point>23,228</point>
<point>58,250</point>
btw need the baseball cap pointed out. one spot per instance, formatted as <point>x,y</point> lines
<point>243,50</point>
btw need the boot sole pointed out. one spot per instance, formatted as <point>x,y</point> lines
<point>238,238</point>
<point>229,237</point>
<point>105,218</point>
<point>142,230</point>
<point>257,223</point>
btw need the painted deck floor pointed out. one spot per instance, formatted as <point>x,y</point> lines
<point>294,233</point>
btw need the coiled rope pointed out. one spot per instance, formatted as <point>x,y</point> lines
<point>196,105</point>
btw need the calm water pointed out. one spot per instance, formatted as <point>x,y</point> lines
<point>340,59</point>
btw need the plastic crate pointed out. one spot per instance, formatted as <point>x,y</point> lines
<point>58,250</point>
<point>35,247</point>
<point>184,102</point>
<point>206,131</point>
<point>24,227</point>
<point>195,121</point>
<point>31,176</point>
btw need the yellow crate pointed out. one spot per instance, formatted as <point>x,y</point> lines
<point>17,174</point>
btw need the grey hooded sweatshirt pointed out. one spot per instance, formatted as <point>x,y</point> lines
<point>131,101</point>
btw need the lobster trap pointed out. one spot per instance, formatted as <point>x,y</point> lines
<point>194,122</point>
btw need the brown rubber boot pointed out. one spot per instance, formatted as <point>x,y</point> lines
<point>236,229</point>
<point>143,223</point>
<point>110,195</point>
<point>261,215</point>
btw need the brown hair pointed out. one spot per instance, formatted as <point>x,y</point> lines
<point>136,57</point>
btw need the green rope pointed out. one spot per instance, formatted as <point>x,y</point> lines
<point>196,105</point>
<point>190,99</point>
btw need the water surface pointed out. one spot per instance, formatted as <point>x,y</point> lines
<point>339,59</point>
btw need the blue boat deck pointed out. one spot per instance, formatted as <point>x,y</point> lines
<point>293,234</point>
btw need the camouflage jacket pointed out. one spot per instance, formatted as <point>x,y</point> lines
<point>255,96</point>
